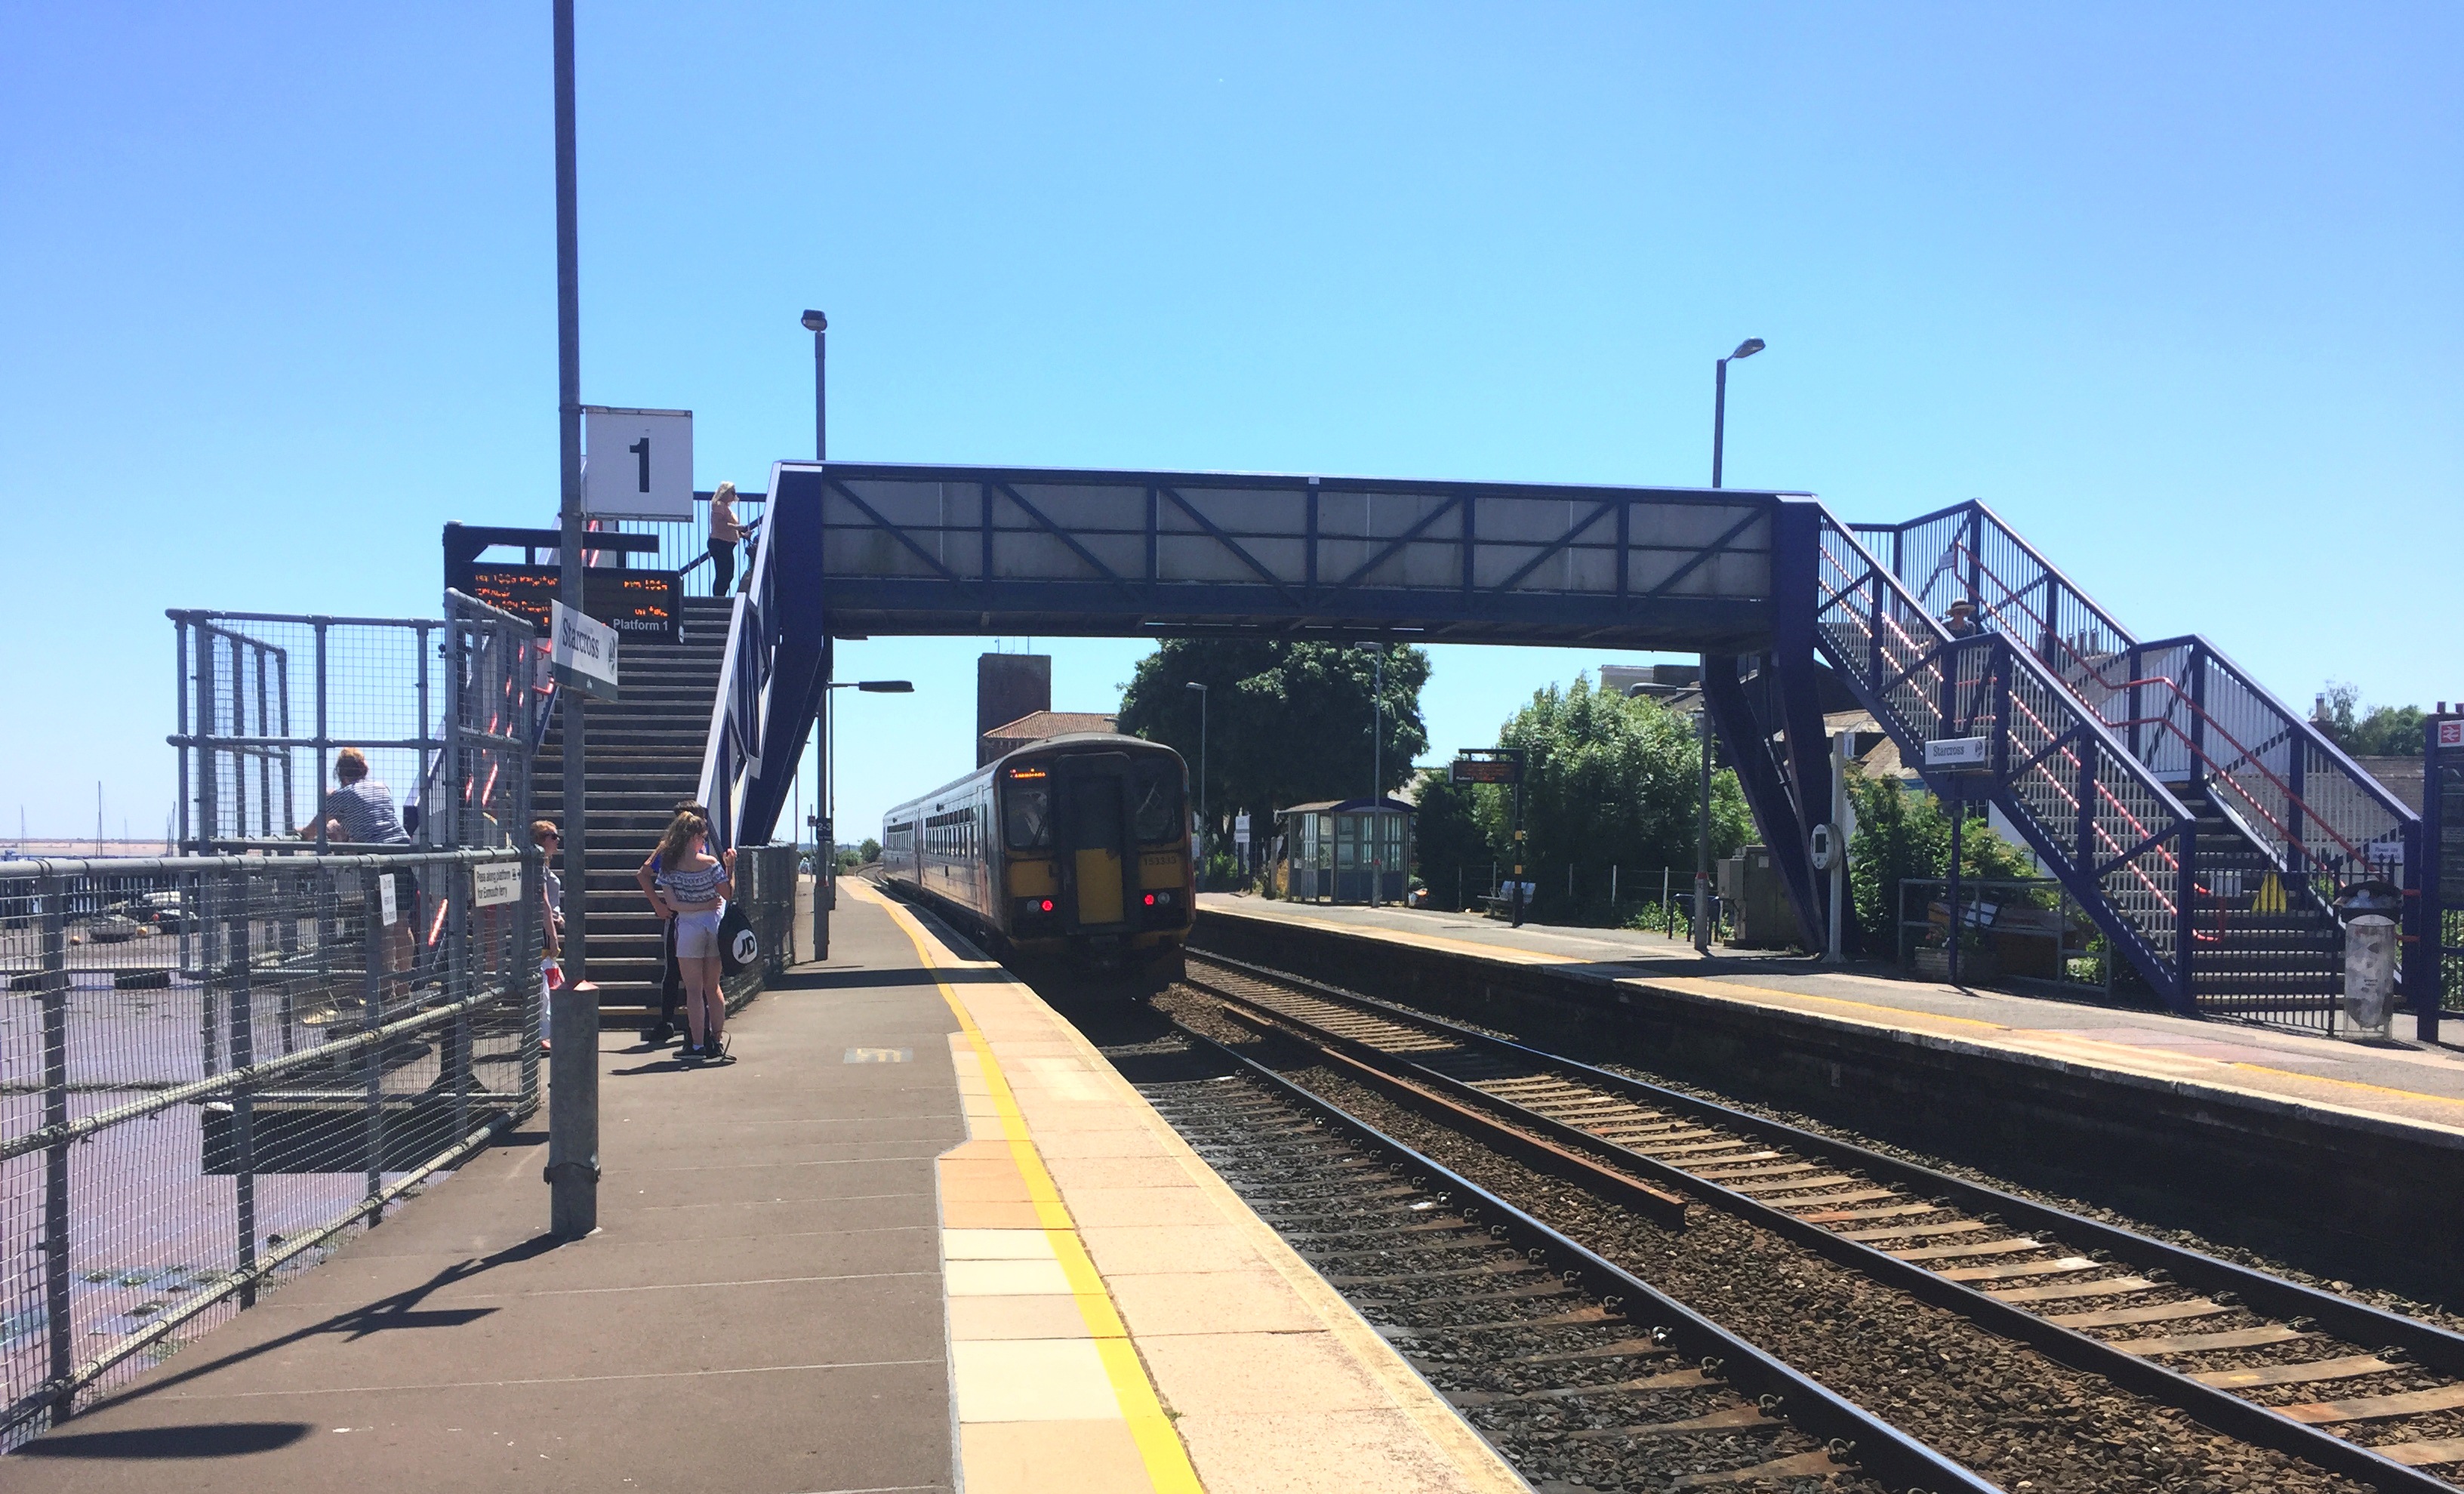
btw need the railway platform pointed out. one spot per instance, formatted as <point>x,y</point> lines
<point>918,1234</point>
<point>2397,1080</point>
<point>2341,1157</point>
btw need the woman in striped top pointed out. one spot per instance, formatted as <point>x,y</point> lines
<point>693,886</point>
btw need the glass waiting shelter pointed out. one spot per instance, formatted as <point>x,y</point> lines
<point>1352,851</point>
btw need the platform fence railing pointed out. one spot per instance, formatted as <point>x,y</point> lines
<point>212,1067</point>
<point>765,888</point>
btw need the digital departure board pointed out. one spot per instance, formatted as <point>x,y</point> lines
<point>642,606</point>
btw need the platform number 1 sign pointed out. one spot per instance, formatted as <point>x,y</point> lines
<point>637,463</point>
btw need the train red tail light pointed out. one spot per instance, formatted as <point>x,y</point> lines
<point>1045,906</point>
<point>1150,899</point>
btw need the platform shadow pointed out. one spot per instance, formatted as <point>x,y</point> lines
<point>202,1439</point>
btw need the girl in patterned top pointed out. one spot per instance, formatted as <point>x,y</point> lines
<point>693,886</point>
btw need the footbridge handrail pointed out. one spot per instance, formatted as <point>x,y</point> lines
<point>2179,704</point>
<point>2122,843</point>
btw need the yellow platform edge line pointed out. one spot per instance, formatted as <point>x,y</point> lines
<point>1159,1446</point>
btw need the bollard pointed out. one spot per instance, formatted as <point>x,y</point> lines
<point>572,1170</point>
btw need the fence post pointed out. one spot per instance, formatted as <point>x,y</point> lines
<point>56,1158</point>
<point>372,934</point>
<point>572,1171</point>
<point>242,1044</point>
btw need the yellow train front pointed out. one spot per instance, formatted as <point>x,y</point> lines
<point>1074,852</point>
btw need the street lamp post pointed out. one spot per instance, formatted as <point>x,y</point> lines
<point>1702,816</point>
<point>819,326</point>
<point>1202,750</point>
<point>825,832</point>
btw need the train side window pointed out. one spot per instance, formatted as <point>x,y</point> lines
<point>1029,819</point>
<point>1156,794</point>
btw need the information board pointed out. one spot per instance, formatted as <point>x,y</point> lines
<point>642,606</point>
<point>1485,765</point>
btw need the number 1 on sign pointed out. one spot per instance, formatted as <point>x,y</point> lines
<point>642,449</point>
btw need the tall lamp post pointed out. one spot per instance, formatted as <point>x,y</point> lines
<point>572,1170</point>
<point>826,832</point>
<point>819,326</point>
<point>1201,752</point>
<point>1703,819</point>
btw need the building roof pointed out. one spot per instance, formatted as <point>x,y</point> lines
<point>1037,725</point>
<point>1347,806</point>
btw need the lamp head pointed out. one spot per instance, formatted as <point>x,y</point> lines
<point>1196,686</point>
<point>1744,349</point>
<point>886,686</point>
<point>815,321</point>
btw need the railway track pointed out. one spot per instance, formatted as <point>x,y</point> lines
<point>1582,1376</point>
<point>2353,1390</point>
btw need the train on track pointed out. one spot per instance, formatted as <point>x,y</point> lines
<point>1073,854</point>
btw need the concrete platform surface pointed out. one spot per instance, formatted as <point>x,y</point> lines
<point>2398,1081</point>
<point>917,1235</point>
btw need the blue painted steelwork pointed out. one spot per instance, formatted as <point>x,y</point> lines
<point>2121,842</point>
<point>855,549</point>
<point>2187,711</point>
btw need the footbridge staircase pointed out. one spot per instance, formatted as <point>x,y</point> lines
<point>2202,826</point>
<point>2280,819</point>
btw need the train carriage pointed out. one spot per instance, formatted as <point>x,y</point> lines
<point>1074,851</point>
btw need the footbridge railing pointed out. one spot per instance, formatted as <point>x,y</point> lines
<point>2178,704</point>
<point>2114,834</point>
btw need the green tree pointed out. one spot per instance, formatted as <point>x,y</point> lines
<point>1285,723</point>
<point>1450,840</point>
<point>1609,782</point>
<point>1902,832</point>
<point>2382,732</point>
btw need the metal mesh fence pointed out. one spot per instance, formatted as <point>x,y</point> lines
<point>765,888</point>
<point>212,1067</point>
<point>445,711</point>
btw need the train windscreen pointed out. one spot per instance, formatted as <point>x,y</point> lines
<point>1156,794</point>
<point>1028,811</point>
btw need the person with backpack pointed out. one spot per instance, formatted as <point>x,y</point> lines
<point>693,886</point>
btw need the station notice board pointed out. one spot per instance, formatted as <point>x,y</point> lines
<point>642,606</point>
<point>1486,765</point>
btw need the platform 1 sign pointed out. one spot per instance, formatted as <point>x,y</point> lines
<point>581,653</point>
<point>637,463</point>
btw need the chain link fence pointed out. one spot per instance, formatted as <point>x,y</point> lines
<point>212,1067</point>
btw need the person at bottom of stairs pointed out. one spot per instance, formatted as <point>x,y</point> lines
<point>695,886</point>
<point>672,976</point>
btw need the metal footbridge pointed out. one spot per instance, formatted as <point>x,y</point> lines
<point>2199,822</point>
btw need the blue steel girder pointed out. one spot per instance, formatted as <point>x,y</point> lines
<point>979,550</point>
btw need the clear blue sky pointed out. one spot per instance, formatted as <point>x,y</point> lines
<point>2175,288</point>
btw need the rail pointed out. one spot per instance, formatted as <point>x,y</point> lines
<point>2109,828</point>
<point>1696,1147</point>
<point>2182,707</point>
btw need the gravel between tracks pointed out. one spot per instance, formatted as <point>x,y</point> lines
<point>1995,1406</point>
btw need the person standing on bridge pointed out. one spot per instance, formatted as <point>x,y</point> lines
<point>693,886</point>
<point>724,533</point>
